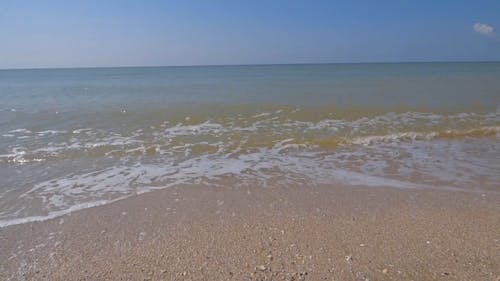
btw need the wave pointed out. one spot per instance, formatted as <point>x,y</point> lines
<point>209,137</point>
<point>424,165</point>
<point>181,156</point>
<point>487,131</point>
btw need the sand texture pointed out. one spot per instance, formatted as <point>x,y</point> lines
<point>244,233</point>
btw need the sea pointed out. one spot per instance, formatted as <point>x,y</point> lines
<point>72,139</point>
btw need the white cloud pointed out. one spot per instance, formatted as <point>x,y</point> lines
<point>483,28</point>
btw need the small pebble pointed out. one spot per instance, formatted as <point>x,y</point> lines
<point>261,267</point>
<point>385,271</point>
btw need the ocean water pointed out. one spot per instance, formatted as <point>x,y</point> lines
<point>77,138</point>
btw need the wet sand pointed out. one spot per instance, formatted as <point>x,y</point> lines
<point>244,233</point>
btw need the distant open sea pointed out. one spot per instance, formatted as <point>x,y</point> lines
<point>76,138</point>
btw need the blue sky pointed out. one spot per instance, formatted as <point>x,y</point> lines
<point>64,33</point>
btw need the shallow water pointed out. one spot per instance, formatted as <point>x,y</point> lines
<point>75,138</point>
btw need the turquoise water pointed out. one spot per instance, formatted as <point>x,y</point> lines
<point>76,138</point>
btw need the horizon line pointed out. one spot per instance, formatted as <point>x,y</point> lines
<point>247,64</point>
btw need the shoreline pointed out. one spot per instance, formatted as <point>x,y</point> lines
<point>243,233</point>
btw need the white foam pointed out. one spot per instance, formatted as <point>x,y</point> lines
<point>79,131</point>
<point>203,128</point>
<point>20,131</point>
<point>408,136</point>
<point>50,132</point>
<point>262,115</point>
<point>52,215</point>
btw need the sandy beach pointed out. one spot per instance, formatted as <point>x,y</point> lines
<point>243,233</point>
<point>249,140</point>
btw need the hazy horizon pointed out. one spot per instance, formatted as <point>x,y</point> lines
<point>250,64</point>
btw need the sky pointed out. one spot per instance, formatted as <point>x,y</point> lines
<point>70,33</point>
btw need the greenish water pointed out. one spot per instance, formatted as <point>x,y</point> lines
<point>76,138</point>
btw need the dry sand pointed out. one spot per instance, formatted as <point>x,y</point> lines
<point>240,233</point>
